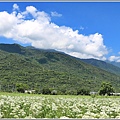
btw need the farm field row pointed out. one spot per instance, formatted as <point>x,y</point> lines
<point>58,106</point>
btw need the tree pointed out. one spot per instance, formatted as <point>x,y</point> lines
<point>46,91</point>
<point>83,91</point>
<point>21,87</point>
<point>71,92</point>
<point>106,88</point>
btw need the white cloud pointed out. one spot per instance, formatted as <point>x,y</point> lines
<point>82,28</point>
<point>118,60</point>
<point>32,10</point>
<point>55,14</point>
<point>15,7</point>
<point>7,23</point>
<point>42,33</point>
<point>114,58</point>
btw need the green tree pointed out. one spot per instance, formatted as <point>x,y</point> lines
<point>106,88</point>
<point>46,91</point>
<point>21,87</point>
<point>83,91</point>
<point>71,92</point>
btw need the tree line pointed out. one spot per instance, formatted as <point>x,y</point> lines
<point>106,88</point>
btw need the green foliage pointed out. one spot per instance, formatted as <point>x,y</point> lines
<point>104,65</point>
<point>71,92</point>
<point>83,91</point>
<point>106,88</point>
<point>40,69</point>
<point>26,106</point>
<point>21,90</point>
<point>46,91</point>
<point>21,87</point>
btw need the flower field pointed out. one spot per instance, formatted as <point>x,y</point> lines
<point>58,107</point>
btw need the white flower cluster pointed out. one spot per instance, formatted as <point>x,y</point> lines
<point>58,107</point>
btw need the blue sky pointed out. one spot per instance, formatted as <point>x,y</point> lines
<point>80,29</point>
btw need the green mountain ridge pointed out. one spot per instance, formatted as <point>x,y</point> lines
<point>48,68</point>
<point>103,65</point>
<point>114,63</point>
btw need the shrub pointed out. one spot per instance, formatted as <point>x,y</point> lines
<point>83,91</point>
<point>46,91</point>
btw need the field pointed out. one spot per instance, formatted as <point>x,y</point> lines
<point>56,106</point>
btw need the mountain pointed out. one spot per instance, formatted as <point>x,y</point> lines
<point>103,65</point>
<point>39,69</point>
<point>12,48</point>
<point>114,63</point>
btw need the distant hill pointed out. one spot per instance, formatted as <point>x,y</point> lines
<point>48,68</point>
<point>103,65</point>
<point>114,63</point>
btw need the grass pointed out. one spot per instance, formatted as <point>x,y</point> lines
<point>55,96</point>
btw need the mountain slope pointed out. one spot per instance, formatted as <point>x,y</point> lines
<point>48,68</point>
<point>103,65</point>
<point>114,63</point>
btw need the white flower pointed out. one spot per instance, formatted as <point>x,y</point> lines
<point>64,117</point>
<point>54,107</point>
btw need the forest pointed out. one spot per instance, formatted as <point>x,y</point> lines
<point>40,70</point>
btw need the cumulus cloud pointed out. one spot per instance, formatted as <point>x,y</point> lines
<point>114,58</point>
<point>55,14</point>
<point>41,32</point>
<point>15,7</point>
<point>7,23</point>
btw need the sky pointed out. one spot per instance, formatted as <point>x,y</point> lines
<point>80,29</point>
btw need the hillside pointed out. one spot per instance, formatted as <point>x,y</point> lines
<point>103,65</point>
<point>48,68</point>
<point>114,63</point>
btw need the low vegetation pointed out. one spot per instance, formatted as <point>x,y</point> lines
<point>46,106</point>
